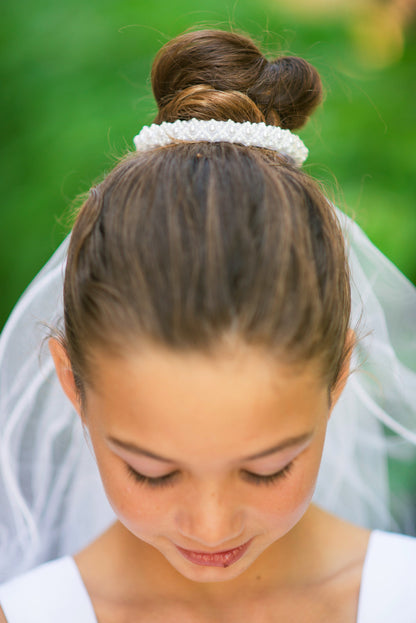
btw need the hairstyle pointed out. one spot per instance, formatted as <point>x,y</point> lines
<point>183,244</point>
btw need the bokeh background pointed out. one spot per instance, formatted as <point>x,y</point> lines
<point>75,90</point>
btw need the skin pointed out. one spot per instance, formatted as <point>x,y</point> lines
<point>206,415</point>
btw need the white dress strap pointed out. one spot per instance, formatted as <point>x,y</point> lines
<point>388,586</point>
<point>51,593</point>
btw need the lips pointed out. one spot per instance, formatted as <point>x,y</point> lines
<point>216,559</point>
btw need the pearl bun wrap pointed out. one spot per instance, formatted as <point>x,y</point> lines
<point>249,134</point>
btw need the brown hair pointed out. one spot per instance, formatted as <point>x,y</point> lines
<point>282,92</point>
<point>183,244</point>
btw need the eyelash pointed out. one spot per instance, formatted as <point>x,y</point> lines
<point>168,479</point>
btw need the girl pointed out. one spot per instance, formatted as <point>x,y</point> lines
<point>207,338</point>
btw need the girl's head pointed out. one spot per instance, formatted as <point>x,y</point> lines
<point>185,244</point>
<point>207,304</point>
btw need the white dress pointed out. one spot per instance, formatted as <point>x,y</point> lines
<point>55,593</point>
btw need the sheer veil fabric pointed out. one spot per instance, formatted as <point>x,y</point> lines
<point>52,500</point>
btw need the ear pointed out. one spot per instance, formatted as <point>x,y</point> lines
<point>64,372</point>
<point>345,370</point>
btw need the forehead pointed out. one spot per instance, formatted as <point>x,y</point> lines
<point>232,400</point>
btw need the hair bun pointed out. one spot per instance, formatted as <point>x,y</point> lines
<point>287,91</point>
<point>204,102</point>
<point>222,75</point>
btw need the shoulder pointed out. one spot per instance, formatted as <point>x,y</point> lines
<point>52,592</point>
<point>388,582</point>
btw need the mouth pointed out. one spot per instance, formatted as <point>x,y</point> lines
<point>215,559</point>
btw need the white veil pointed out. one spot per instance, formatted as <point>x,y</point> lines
<point>368,471</point>
<point>51,498</point>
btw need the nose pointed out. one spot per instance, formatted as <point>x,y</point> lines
<point>210,518</point>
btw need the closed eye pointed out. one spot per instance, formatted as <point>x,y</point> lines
<point>271,478</point>
<point>169,479</point>
<point>160,481</point>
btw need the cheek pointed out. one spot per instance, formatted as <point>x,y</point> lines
<point>137,508</point>
<point>282,506</point>
<point>140,511</point>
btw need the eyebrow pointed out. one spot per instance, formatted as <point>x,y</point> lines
<point>283,445</point>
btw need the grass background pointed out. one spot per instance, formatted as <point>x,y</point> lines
<point>75,90</point>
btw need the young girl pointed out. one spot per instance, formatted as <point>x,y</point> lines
<point>207,339</point>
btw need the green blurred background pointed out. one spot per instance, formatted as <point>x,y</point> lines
<point>75,90</point>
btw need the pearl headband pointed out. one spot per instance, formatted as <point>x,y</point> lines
<point>249,134</point>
